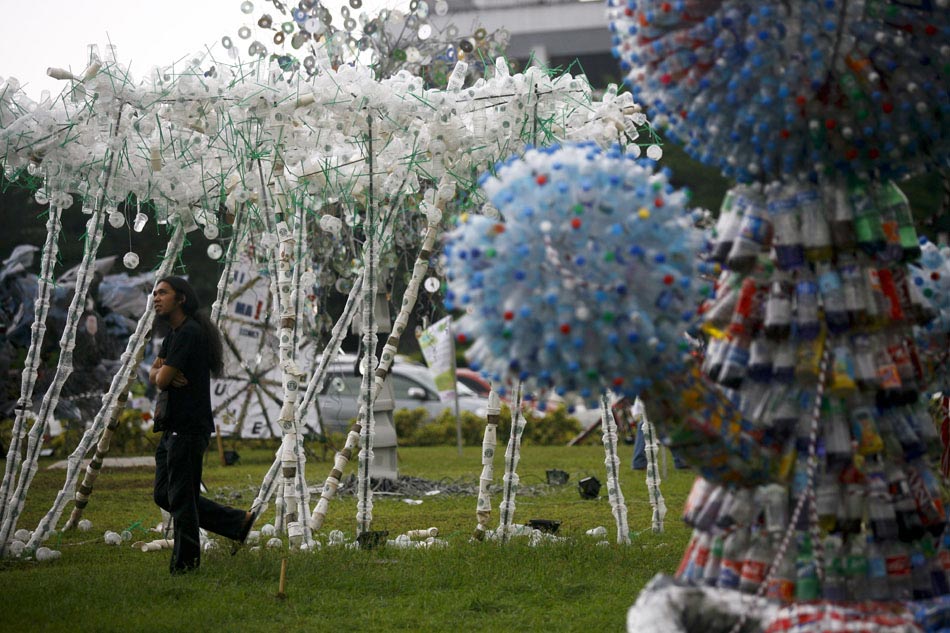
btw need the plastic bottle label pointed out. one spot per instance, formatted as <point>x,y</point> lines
<point>781,589</point>
<point>897,565</point>
<point>729,574</point>
<point>753,571</point>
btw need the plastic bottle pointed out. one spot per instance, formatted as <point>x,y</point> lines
<point>942,566</point>
<point>921,579</point>
<point>711,571</point>
<point>816,234</point>
<point>843,378</point>
<point>834,586</point>
<point>897,559</point>
<point>832,298</point>
<point>727,227</point>
<point>909,525</point>
<point>760,361</point>
<point>893,251</point>
<point>806,572</point>
<point>852,288</point>
<point>783,363</point>
<point>773,499</point>
<point>778,307</point>
<point>856,568</point>
<point>881,513</point>
<point>878,582</point>
<point>735,364</point>
<point>837,434</point>
<point>867,221</point>
<point>697,564</point>
<point>842,221</point>
<point>806,308</point>
<point>827,501</point>
<point>756,563</point>
<point>688,554</point>
<point>707,515</point>
<point>781,586</point>
<point>787,239</point>
<point>755,234</point>
<point>697,496</point>
<point>734,547</point>
<point>865,369</point>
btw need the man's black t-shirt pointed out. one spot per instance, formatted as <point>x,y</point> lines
<point>186,349</point>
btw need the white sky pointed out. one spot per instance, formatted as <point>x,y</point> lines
<point>35,35</point>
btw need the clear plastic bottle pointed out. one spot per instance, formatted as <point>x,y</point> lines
<point>778,307</point>
<point>878,583</point>
<point>909,526</point>
<point>734,548</point>
<point>736,363</point>
<point>697,564</point>
<point>897,559</point>
<point>760,361</point>
<point>852,288</point>
<point>921,579</point>
<point>783,363</point>
<point>834,586</point>
<point>787,241</point>
<point>816,234</point>
<point>837,433</point>
<point>781,586</point>
<point>842,221</point>
<point>881,513</point>
<point>755,566</point>
<point>806,572</point>
<point>806,325</point>
<point>867,220</point>
<point>856,568</point>
<point>755,234</point>
<point>711,571</point>
<point>832,298</point>
<point>827,501</point>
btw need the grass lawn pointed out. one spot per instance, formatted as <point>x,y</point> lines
<point>572,586</point>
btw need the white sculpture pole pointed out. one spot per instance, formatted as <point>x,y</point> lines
<point>510,480</point>
<point>651,449</point>
<point>489,441</point>
<point>617,505</point>
<point>37,334</point>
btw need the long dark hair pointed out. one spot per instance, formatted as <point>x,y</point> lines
<point>190,306</point>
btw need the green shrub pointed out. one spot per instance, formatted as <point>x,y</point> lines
<point>557,427</point>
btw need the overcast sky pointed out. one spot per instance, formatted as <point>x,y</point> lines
<point>35,35</point>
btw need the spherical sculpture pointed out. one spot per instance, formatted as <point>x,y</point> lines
<point>590,280</point>
<point>765,89</point>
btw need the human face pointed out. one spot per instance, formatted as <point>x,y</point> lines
<point>165,301</point>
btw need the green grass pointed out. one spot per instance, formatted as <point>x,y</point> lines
<point>571,586</point>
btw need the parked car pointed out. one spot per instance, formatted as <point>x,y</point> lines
<point>413,388</point>
<point>473,380</point>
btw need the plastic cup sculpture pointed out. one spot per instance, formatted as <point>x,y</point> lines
<point>205,144</point>
<point>815,108</point>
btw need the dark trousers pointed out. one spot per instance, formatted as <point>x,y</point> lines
<point>177,490</point>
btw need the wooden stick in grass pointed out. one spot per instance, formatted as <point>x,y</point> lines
<point>489,441</point>
<point>617,505</point>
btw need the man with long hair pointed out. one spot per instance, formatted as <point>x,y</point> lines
<point>189,355</point>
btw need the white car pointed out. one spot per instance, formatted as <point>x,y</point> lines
<point>413,388</point>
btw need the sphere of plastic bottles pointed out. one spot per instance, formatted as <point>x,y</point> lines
<point>765,89</point>
<point>590,280</point>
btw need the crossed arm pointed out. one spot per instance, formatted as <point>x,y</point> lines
<point>164,376</point>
